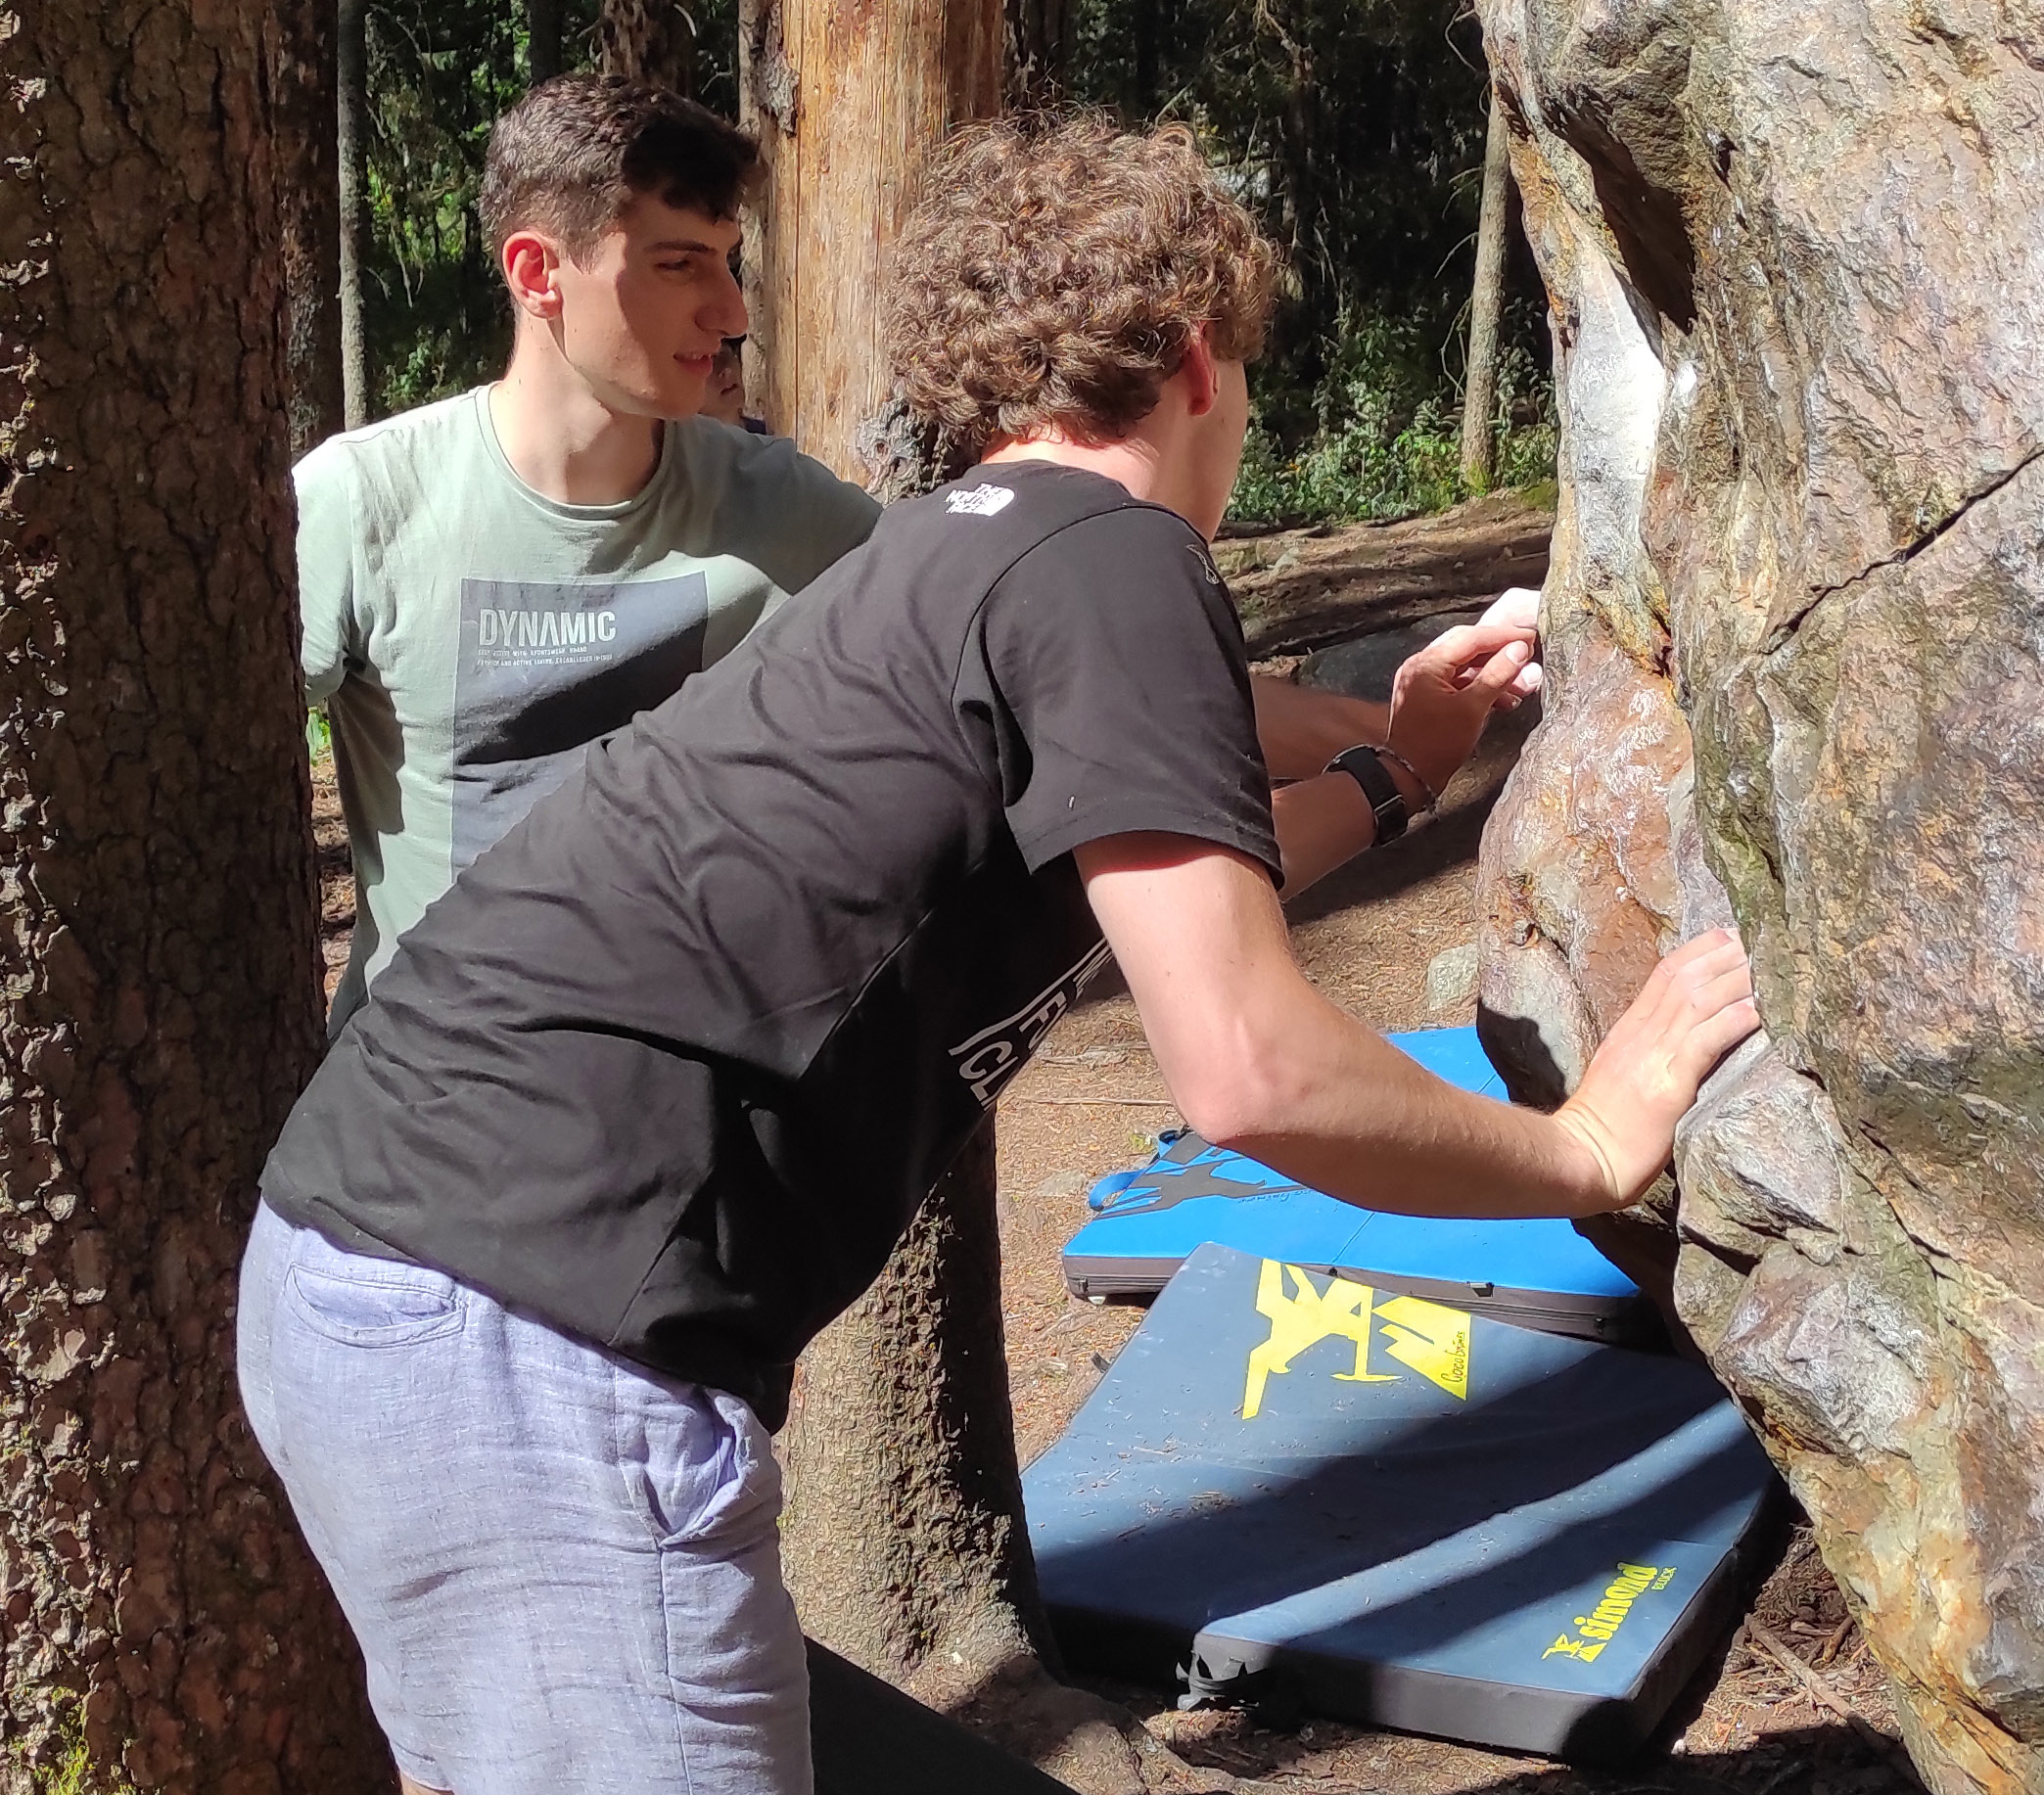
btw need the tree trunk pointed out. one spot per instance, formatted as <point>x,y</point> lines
<point>647,40</point>
<point>1146,32</point>
<point>542,40</point>
<point>848,101</point>
<point>350,118</point>
<point>1486,303</point>
<point>905,1540</point>
<point>1300,136</point>
<point>1039,48</point>
<point>302,63</point>
<point>159,1010</point>
<point>906,1543</point>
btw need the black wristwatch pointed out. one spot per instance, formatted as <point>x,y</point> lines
<point>1362,766</point>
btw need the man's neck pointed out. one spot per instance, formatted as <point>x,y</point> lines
<point>566,444</point>
<point>1131,461</point>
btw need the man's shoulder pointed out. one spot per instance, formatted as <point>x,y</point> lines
<point>761,498</point>
<point>424,437</point>
<point>722,459</point>
<point>1010,510</point>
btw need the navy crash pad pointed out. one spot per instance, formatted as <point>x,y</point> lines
<point>1315,1493</point>
<point>1538,1274</point>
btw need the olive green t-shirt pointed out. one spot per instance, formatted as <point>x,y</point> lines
<point>470,637</point>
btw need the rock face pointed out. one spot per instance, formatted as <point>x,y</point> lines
<point>1795,636</point>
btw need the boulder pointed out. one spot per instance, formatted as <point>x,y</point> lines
<point>1794,629</point>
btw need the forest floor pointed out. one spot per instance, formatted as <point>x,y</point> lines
<point>1791,1703</point>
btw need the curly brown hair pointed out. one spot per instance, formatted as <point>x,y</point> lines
<point>1055,272</point>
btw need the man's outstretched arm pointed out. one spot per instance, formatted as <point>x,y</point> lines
<point>1302,728</point>
<point>1259,1061</point>
<point>1441,699</point>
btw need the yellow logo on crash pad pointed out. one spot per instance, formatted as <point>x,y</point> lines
<point>1427,1337</point>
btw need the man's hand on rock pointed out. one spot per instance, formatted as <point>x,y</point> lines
<point>1696,1008</point>
<point>1444,694</point>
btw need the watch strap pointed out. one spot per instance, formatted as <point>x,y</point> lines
<point>1362,764</point>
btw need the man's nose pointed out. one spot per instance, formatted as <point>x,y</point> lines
<point>731,317</point>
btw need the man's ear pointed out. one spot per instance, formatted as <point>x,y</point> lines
<point>530,263</point>
<point>1202,378</point>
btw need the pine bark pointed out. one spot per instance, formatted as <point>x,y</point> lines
<point>303,80</point>
<point>905,1541</point>
<point>1486,304</point>
<point>164,1628</point>
<point>351,124</point>
<point>1149,26</point>
<point>647,40</point>
<point>848,101</point>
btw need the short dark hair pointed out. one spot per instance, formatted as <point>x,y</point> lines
<point>571,155</point>
<point>1055,272</point>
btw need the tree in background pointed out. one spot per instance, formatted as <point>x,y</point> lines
<point>1039,50</point>
<point>542,40</point>
<point>302,44</point>
<point>164,1627</point>
<point>351,109</point>
<point>1486,304</point>
<point>648,40</point>
<point>904,1540</point>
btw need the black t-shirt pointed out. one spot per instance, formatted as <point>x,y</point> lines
<point>672,1065</point>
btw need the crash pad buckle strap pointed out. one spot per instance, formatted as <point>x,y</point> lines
<point>1231,1683</point>
<point>1273,1691</point>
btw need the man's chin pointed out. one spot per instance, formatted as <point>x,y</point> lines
<point>677,401</point>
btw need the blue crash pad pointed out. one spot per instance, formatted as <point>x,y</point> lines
<point>1386,1509</point>
<point>1538,1274</point>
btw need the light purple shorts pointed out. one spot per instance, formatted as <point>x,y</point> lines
<point>564,1571</point>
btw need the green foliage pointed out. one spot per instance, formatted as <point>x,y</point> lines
<point>1386,439</point>
<point>1357,128</point>
<point>440,72</point>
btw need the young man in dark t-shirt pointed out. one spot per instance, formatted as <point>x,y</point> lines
<point>647,1097</point>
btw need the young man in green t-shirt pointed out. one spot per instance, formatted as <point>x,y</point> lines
<point>492,582</point>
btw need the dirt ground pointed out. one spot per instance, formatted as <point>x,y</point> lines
<point>1792,1704</point>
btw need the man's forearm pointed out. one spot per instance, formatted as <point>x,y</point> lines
<point>1302,729</point>
<point>1345,1113</point>
<point>1324,821</point>
<point>1258,1060</point>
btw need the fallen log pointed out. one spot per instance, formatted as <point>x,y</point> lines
<point>1300,589</point>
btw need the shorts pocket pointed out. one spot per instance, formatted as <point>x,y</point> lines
<point>402,1307</point>
<point>710,1470</point>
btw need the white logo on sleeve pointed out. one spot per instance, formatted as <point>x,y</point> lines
<point>980,501</point>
